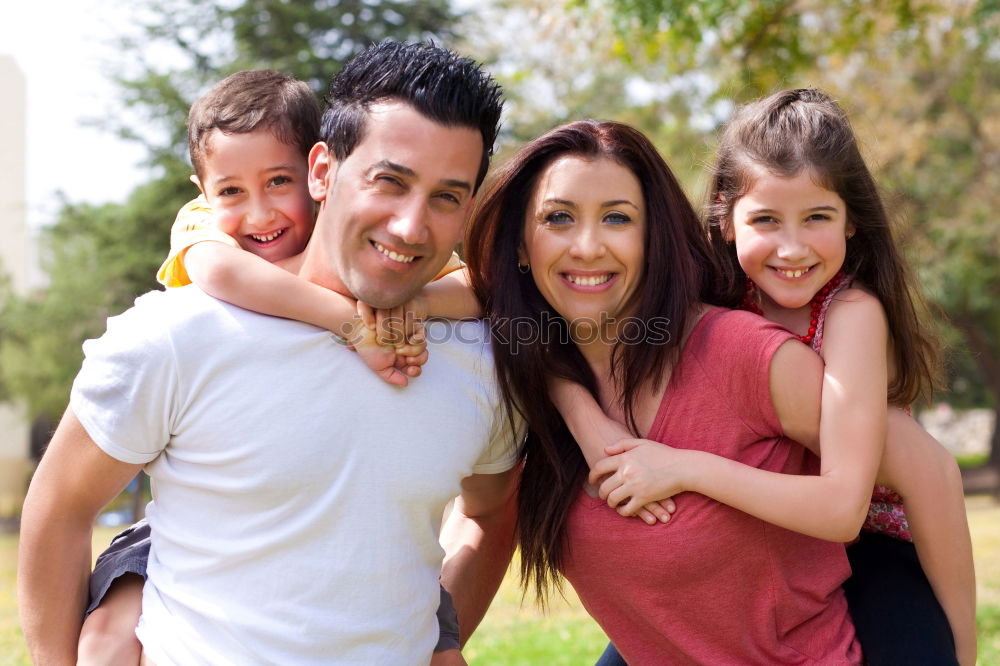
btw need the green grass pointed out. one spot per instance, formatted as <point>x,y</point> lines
<point>517,634</point>
<point>520,635</point>
<point>973,459</point>
<point>984,523</point>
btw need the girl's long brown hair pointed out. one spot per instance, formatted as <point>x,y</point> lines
<point>793,130</point>
<point>531,341</point>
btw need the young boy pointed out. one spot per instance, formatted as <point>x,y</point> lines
<point>249,138</point>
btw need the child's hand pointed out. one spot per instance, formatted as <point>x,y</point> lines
<point>401,326</point>
<point>385,360</point>
<point>640,475</point>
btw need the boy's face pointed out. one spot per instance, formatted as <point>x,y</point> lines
<point>395,208</point>
<point>258,188</point>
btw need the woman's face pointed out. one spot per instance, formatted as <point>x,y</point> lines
<point>584,237</point>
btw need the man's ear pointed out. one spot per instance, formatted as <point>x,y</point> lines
<point>321,167</point>
<point>197,181</point>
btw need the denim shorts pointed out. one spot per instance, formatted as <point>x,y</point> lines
<point>127,554</point>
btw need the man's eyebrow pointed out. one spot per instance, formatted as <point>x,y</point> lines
<point>460,184</point>
<point>392,166</point>
<point>407,171</point>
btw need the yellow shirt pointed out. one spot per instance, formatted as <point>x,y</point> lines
<point>194,223</point>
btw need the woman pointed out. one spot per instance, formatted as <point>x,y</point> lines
<point>586,239</point>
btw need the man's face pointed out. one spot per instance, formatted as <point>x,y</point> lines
<point>395,208</point>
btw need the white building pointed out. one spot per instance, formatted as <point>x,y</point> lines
<point>15,466</point>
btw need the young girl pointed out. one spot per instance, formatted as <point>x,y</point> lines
<point>796,218</point>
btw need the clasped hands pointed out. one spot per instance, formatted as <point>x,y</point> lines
<point>392,341</point>
<point>639,477</point>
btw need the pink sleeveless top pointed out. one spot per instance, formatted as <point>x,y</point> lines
<point>886,514</point>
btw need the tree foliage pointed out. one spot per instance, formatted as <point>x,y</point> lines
<point>99,258</point>
<point>204,40</point>
<point>921,78</point>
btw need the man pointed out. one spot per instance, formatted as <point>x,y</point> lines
<point>297,497</point>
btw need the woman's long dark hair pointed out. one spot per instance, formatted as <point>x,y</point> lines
<point>531,341</point>
<point>794,130</point>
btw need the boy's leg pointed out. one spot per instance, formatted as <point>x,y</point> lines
<point>897,618</point>
<point>108,634</point>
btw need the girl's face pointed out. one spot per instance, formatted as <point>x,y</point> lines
<point>791,237</point>
<point>584,237</point>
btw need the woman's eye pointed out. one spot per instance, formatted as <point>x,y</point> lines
<point>763,219</point>
<point>818,217</point>
<point>558,218</point>
<point>229,191</point>
<point>617,218</point>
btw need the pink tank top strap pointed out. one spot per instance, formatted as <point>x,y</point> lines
<point>817,341</point>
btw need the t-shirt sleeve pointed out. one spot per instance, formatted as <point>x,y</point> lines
<point>195,222</point>
<point>505,442</point>
<point>454,263</point>
<point>736,352</point>
<point>124,393</point>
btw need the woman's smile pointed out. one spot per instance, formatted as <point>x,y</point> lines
<point>584,238</point>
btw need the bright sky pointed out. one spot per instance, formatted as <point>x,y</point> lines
<point>62,47</point>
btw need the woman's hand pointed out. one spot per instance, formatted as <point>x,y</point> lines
<point>638,473</point>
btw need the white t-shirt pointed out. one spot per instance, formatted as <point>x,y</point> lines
<point>297,498</point>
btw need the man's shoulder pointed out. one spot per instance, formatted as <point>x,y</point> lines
<point>466,343</point>
<point>177,313</point>
<point>178,306</point>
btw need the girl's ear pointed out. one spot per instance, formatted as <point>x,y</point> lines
<point>725,225</point>
<point>522,255</point>
<point>321,166</point>
<point>851,230</point>
<point>728,234</point>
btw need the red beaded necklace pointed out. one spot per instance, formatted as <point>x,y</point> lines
<point>750,303</point>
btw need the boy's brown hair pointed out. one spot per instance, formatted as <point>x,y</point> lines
<point>250,100</point>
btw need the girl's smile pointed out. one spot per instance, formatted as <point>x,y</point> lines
<point>791,237</point>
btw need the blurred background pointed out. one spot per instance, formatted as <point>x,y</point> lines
<point>94,167</point>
